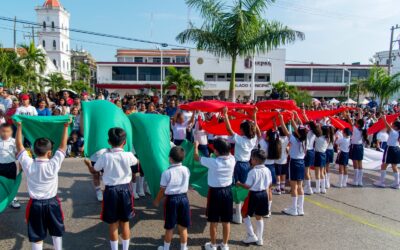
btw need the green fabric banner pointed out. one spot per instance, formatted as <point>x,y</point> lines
<point>98,117</point>
<point>151,140</point>
<point>50,127</point>
<point>8,190</point>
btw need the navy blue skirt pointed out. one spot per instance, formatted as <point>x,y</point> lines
<point>296,169</point>
<point>343,159</point>
<point>309,158</point>
<point>391,155</point>
<point>320,159</point>
<point>241,171</point>
<point>329,155</point>
<point>357,152</point>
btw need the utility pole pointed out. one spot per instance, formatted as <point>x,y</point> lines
<point>391,46</point>
<point>32,35</point>
<point>15,34</point>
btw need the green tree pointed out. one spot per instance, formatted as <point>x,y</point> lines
<point>299,96</point>
<point>80,86</point>
<point>382,85</point>
<point>236,30</point>
<point>82,71</point>
<point>56,82</point>
<point>11,71</point>
<point>34,61</point>
<point>358,88</point>
<point>186,85</point>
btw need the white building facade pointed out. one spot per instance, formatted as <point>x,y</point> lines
<point>53,35</point>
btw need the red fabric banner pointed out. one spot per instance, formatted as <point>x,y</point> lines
<point>380,124</point>
<point>277,104</point>
<point>340,124</point>
<point>213,106</point>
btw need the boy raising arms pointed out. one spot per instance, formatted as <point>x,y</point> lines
<point>220,199</point>
<point>174,185</point>
<point>43,212</point>
<point>117,198</point>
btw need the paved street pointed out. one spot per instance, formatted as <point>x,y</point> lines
<point>353,218</point>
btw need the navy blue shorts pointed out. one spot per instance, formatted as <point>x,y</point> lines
<point>8,170</point>
<point>281,169</point>
<point>219,204</point>
<point>117,204</point>
<point>256,203</point>
<point>309,158</point>
<point>137,169</point>
<point>329,155</point>
<point>271,168</point>
<point>320,159</point>
<point>203,149</point>
<point>356,152</point>
<point>43,216</point>
<point>391,155</point>
<point>241,171</point>
<point>176,211</point>
<point>296,169</point>
<point>178,142</point>
<point>342,158</point>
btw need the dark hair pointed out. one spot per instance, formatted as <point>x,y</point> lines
<point>347,132</point>
<point>222,146</point>
<point>177,154</point>
<point>274,145</point>
<point>5,125</point>
<point>259,155</point>
<point>360,125</point>
<point>396,124</point>
<point>301,136</point>
<point>249,129</point>
<point>327,132</point>
<point>116,137</point>
<point>42,146</point>
<point>315,129</point>
<point>280,130</point>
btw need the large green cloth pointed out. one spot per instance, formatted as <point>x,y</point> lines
<point>50,127</point>
<point>151,140</point>
<point>199,175</point>
<point>8,190</point>
<point>98,117</point>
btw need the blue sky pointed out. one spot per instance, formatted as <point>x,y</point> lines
<point>336,30</point>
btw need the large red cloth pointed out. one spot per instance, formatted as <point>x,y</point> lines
<point>213,106</point>
<point>379,125</point>
<point>340,124</point>
<point>318,114</point>
<point>277,104</point>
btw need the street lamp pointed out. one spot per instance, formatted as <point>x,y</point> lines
<point>163,45</point>
<point>348,89</point>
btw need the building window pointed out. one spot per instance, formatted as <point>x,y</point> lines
<point>356,74</point>
<point>138,59</point>
<point>156,60</point>
<point>262,78</point>
<point>209,77</point>
<point>166,60</point>
<point>124,74</point>
<point>63,65</point>
<point>67,65</point>
<point>54,44</point>
<point>52,25</point>
<point>120,59</point>
<point>298,75</point>
<point>62,46</point>
<point>327,75</point>
<point>44,43</point>
<point>128,59</point>
<point>221,78</point>
<point>181,59</point>
<point>55,62</point>
<point>149,74</point>
<point>44,25</point>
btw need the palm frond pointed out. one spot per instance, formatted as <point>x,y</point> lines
<point>257,6</point>
<point>210,10</point>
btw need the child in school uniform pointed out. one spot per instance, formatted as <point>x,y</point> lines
<point>243,146</point>
<point>321,145</point>
<point>391,156</point>
<point>259,181</point>
<point>342,159</point>
<point>220,199</point>
<point>43,212</point>
<point>281,167</point>
<point>329,157</point>
<point>312,134</point>
<point>297,153</point>
<point>174,185</point>
<point>96,175</point>
<point>117,199</point>
<point>8,150</point>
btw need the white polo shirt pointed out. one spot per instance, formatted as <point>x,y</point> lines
<point>220,170</point>
<point>356,138</point>
<point>284,142</point>
<point>179,131</point>
<point>117,166</point>
<point>310,140</point>
<point>42,174</point>
<point>296,150</point>
<point>264,146</point>
<point>321,144</point>
<point>344,144</point>
<point>30,110</point>
<point>95,157</point>
<point>259,178</point>
<point>393,140</point>
<point>7,150</point>
<point>175,179</point>
<point>382,136</point>
<point>243,147</point>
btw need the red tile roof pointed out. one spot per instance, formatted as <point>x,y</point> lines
<point>52,3</point>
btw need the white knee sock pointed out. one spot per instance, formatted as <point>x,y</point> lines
<point>249,226</point>
<point>269,206</point>
<point>283,185</point>
<point>57,243</point>
<point>259,229</point>
<point>125,244</point>
<point>356,176</point>
<point>341,177</point>
<point>140,188</point>
<point>323,186</point>
<point>134,187</point>
<point>345,178</point>
<point>114,245</point>
<point>238,209</point>
<point>301,202</point>
<point>37,246</point>
<point>360,176</point>
<point>184,246</point>
<point>294,203</point>
<point>166,245</point>
<point>396,178</point>
<point>317,185</point>
<point>383,176</point>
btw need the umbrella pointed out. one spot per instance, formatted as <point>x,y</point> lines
<point>71,92</point>
<point>350,101</point>
<point>315,100</point>
<point>394,102</point>
<point>334,101</point>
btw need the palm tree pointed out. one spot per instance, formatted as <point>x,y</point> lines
<point>11,71</point>
<point>56,82</point>
<point>299,96</point>
<point>34,61</point>
<point>236,30</point>
<point>83,71</point>
<point>382,85</point>
<point>186,85</point>
<point>358,88</point>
